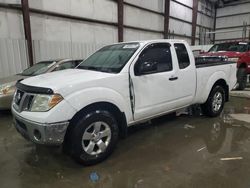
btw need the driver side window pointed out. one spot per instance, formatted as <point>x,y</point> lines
<point>154,59</point>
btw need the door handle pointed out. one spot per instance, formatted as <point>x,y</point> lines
<point>173,78</point>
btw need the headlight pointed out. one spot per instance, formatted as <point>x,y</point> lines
<point>43,103</point>
<point>233,59</point>
<point>6,89</point>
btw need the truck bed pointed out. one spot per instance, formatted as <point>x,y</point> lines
<point>207,72</point>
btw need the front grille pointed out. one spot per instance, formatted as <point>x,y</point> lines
<point>22,100</point>
<point>27,102</point>
<point>18,97</point>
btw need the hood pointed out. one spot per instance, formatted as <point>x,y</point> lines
<point>66,81</point>
<point>11,79</point>
<point>229,54</point>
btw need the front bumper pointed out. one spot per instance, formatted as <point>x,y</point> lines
<point>41,133</point>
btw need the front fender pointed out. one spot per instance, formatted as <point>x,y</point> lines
<point>83,98</point>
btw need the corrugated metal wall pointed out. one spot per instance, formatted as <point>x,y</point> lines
<point>205,20</point>
<point>53,50</point>
<point>13,53</point>
<point>13,56</point>
<point>55,37</point>
<point>231,18</point>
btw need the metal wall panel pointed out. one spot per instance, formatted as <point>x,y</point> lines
<point>65,38</point>
<point>232,21</point>
<point>144,19</point>
<point>45,50</point>
<point>49,28</point>
<point>11,24</point>
<point>187,2</point>
<point>13,53</point>
<point>134,35</point>
<point>205,21</point>
<point>11,1</point>
<point>13,56</point>
<point>232,24</point>
<point>181,12</point>
<point>180,27</point>
<point>156,5</point>
<point>96,9</point>
<point>236,9</point>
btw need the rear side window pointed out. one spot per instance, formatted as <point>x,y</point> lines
<point>182,55</point>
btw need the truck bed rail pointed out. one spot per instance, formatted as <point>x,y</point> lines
<point>207,61</point>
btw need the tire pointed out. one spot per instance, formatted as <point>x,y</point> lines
<point>242,78</point>
<point>215,102</point>
<point>94,137</point>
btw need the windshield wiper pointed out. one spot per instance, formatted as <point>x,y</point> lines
<point>22,74</point>
<point>100,69</point>
<point>91,68</point>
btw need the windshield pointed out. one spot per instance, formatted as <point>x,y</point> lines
<point>234,47</point>
<point>220,47</point>
<point>238,48</point>
<point>110,58</point>
<point>39,68</point>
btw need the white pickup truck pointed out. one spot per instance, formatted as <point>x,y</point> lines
<point>86,109</point>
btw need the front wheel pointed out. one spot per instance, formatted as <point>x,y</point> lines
<point>215,102</point>
<point>94,137</point>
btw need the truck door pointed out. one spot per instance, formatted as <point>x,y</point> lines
<point>186,73</point>
<point>154,81</point>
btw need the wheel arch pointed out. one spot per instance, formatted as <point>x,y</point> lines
<point>112,108</point>
<point>205,86</point>
<point>242,65</point>
<point>208,106</point>
<point>223,84</point>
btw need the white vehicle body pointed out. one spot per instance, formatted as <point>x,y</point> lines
<point>139,98</point>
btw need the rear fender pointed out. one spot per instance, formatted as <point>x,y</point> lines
<point>220,75</point>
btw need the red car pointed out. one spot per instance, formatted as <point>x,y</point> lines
<point>235,51</point>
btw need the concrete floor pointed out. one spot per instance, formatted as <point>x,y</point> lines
<point>244,94</point>
<point>187,151</point>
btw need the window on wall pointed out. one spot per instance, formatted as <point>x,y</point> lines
<point>182,55</point>
<point>157,54</point>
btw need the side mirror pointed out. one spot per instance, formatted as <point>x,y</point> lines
<point>146,68</point>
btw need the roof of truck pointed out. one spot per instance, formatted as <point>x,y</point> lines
<point>155,40</point>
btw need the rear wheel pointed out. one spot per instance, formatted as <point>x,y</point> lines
<point>94,137</point>
<point>242,78</point>
<point>215,102</point>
